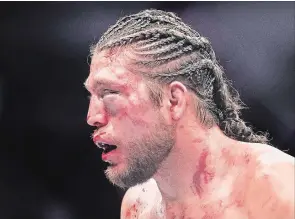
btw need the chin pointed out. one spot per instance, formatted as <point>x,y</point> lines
<point>123,177</point>
<point>115,173</point>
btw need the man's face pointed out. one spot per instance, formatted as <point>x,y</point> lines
<point>123,114</point>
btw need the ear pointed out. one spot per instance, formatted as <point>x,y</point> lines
<point>177,93</point>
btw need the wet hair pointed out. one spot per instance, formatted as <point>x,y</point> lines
<point>166,49</point>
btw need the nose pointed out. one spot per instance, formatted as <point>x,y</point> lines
<point>96,114</point>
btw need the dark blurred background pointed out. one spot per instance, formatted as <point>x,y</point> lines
<point>49,167</point>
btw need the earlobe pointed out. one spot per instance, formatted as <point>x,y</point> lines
<point>177,96</point>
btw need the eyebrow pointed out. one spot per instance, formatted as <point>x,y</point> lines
<point>100,83</point>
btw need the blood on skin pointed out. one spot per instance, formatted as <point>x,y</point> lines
<point>183,213</point>
<point>172,215</point>
<point>240,200</point>
<point>241,185</point>
<point>133,210</point>
<point>211,211</point>
<point>202,171</point>
<point>247,157</point>
<point>236,160</point>
<point>237,197</point>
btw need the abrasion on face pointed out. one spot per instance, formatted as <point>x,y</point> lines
<point>143,137</point>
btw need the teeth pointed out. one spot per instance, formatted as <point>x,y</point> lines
<point>106,147</point>
<point>101,145</point>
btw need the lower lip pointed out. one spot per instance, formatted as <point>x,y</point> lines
<point>106,156</point>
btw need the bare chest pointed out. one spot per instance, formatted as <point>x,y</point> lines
<point>210,211</point>
<point>226,202</point>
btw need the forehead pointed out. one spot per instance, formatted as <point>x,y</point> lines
<point>106,68</point>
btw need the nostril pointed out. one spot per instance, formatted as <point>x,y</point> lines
<point>92,121</point>
<point>97,124</point>
<point>97,120</point>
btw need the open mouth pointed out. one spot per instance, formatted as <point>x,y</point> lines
<point>107,147</point>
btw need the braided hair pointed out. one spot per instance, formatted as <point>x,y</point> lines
<point>169,50</point>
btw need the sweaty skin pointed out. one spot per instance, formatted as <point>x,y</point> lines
<point>265,189</point>
<point>204,175</point>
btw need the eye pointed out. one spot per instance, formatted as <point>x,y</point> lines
<point>108,92</point>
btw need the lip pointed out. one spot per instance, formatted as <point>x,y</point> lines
<point>98,139</point>
<point>108,156</point>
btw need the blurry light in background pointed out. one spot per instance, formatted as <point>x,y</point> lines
<point>57,211</point>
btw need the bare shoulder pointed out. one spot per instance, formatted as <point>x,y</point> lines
<point>139,201</point>
<point>275,163</point>
<point>272,190</point>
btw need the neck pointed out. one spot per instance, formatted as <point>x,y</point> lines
<point>197,162</point>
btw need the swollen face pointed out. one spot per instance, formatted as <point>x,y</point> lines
<point>123,115</point>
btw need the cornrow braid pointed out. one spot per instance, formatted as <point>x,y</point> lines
<point>168,17</point>
<point>171,21</point>
<point>122,21</point>
<point>165,49</point>
<point>198,73</point>
<point>148,45</point>
<point>166,59</point>
<point>199,42</point>
<point>135,25</point>
<point>228,101</point>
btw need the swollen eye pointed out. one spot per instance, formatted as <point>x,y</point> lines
<point>107,92</point>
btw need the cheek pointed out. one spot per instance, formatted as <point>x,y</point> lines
<point>113,106</point>
<point>132,108</point>
<point>129,115</point>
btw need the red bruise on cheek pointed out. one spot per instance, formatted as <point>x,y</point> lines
<point>137,115</point>
<point>122,114</point>
<point>197,140</point>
